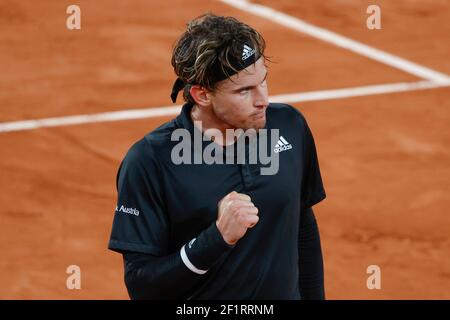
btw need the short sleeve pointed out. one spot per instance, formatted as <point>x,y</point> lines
<point>140,223</point>
<point>312,187</point>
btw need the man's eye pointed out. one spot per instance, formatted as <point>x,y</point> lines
<point>243,91</point>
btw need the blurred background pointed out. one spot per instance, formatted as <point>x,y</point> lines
<point>379,113</point>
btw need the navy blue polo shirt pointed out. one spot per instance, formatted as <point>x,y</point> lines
<point>164,207</point>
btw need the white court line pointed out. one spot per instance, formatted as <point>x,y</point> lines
<point>357,91</point>
<point>338,40</point>
<point>175,110</point>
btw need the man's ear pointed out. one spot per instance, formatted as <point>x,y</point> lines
<point>200,95</point>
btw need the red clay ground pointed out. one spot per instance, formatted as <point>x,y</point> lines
<point>384,158</point>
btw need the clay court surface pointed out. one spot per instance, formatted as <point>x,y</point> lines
<point>384,157</point>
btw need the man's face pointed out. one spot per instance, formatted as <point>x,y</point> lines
<point>241,100</point>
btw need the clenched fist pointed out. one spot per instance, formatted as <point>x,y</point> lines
<point>236,214</point>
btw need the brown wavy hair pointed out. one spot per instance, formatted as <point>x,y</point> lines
<point>208,40</point>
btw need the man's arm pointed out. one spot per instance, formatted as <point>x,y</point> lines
<point>311,278</point>
<point>150,277</point>
<point>174,276</point>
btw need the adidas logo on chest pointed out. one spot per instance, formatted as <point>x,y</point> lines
<point>282,145</point>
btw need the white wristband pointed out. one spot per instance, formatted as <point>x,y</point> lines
<point>188,263</point>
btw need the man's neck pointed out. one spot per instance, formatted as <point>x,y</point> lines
<point>210,121</point>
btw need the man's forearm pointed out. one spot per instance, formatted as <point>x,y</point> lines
<point>150,277</point>
<point>173,276</point>
<point>311,275</point>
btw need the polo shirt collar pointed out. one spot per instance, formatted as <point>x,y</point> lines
<point>184,118</point>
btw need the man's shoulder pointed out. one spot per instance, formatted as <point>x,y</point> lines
<point>160,137</point>
<point>282,113</point>
<point>153,143</point>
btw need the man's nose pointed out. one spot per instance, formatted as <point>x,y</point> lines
<point>261,97</point>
